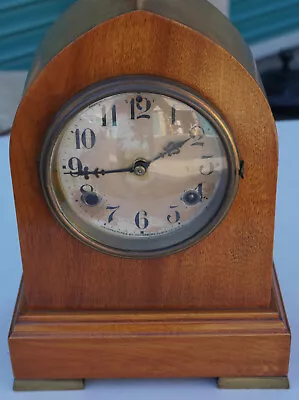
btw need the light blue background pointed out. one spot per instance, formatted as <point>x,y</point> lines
<point>286,256</point>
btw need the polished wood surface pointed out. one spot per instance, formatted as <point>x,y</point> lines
<point>197,15</point>
<point>229,269</point>
<point>76,345</point>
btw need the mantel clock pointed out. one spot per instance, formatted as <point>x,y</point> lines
<point>144,167</point>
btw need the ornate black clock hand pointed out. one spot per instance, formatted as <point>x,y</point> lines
<point>139,167</point>
<point>115,171</point>
<point>97,172</point>
<point>171,149</point>
<point>83,172</point>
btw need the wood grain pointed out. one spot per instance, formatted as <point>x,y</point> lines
<point>72,345</point>
<point>197,15</point>
<point>229,269</point>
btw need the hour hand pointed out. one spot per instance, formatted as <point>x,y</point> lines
<point>85,172</point>
<point>115,171</point>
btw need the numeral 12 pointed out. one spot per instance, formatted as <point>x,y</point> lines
<point>142,105</point>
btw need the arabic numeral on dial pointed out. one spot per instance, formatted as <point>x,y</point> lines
<point>111,215</point>
<point>141,221</point>
<point>87,138</point>
<point>174,217</point>
<point>89,197</point>
<point>75,165</point>
<point>113,116</point>
<point>197,134</point>
<point>140,107</point>
<point>86,189</point>
<point>173,115</point>
<point>200,191</point>
<point>207,171</point>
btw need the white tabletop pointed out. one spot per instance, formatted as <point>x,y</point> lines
<point>286,256</point>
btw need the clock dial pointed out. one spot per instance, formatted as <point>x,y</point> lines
<point>139,171</point>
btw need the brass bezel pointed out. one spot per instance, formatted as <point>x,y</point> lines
<point>125,84</point>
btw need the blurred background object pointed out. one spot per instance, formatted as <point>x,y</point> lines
<point>11,87</point>
<point>23,24</point>
<point>223,5</point>
<point>271,28</point>
<point>281,83</point>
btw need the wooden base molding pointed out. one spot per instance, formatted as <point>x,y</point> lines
<point>150,344</point>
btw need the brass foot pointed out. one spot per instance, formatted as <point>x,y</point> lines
<point>278,382</point>
<point>24,385</point>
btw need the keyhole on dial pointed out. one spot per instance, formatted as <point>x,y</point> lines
<point>192,197</point>
<point>89,197</point>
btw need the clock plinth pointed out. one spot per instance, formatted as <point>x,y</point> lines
<point>150,344</point>
<point>213,309</point>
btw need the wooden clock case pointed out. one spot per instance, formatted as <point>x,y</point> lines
<point>214,310</point>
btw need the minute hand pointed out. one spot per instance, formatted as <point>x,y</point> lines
<point>171,149</point>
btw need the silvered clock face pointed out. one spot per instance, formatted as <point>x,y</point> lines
<point>142,172</point>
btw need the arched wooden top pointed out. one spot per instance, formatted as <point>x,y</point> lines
<point>232,267</point>
<point>199,15</point>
